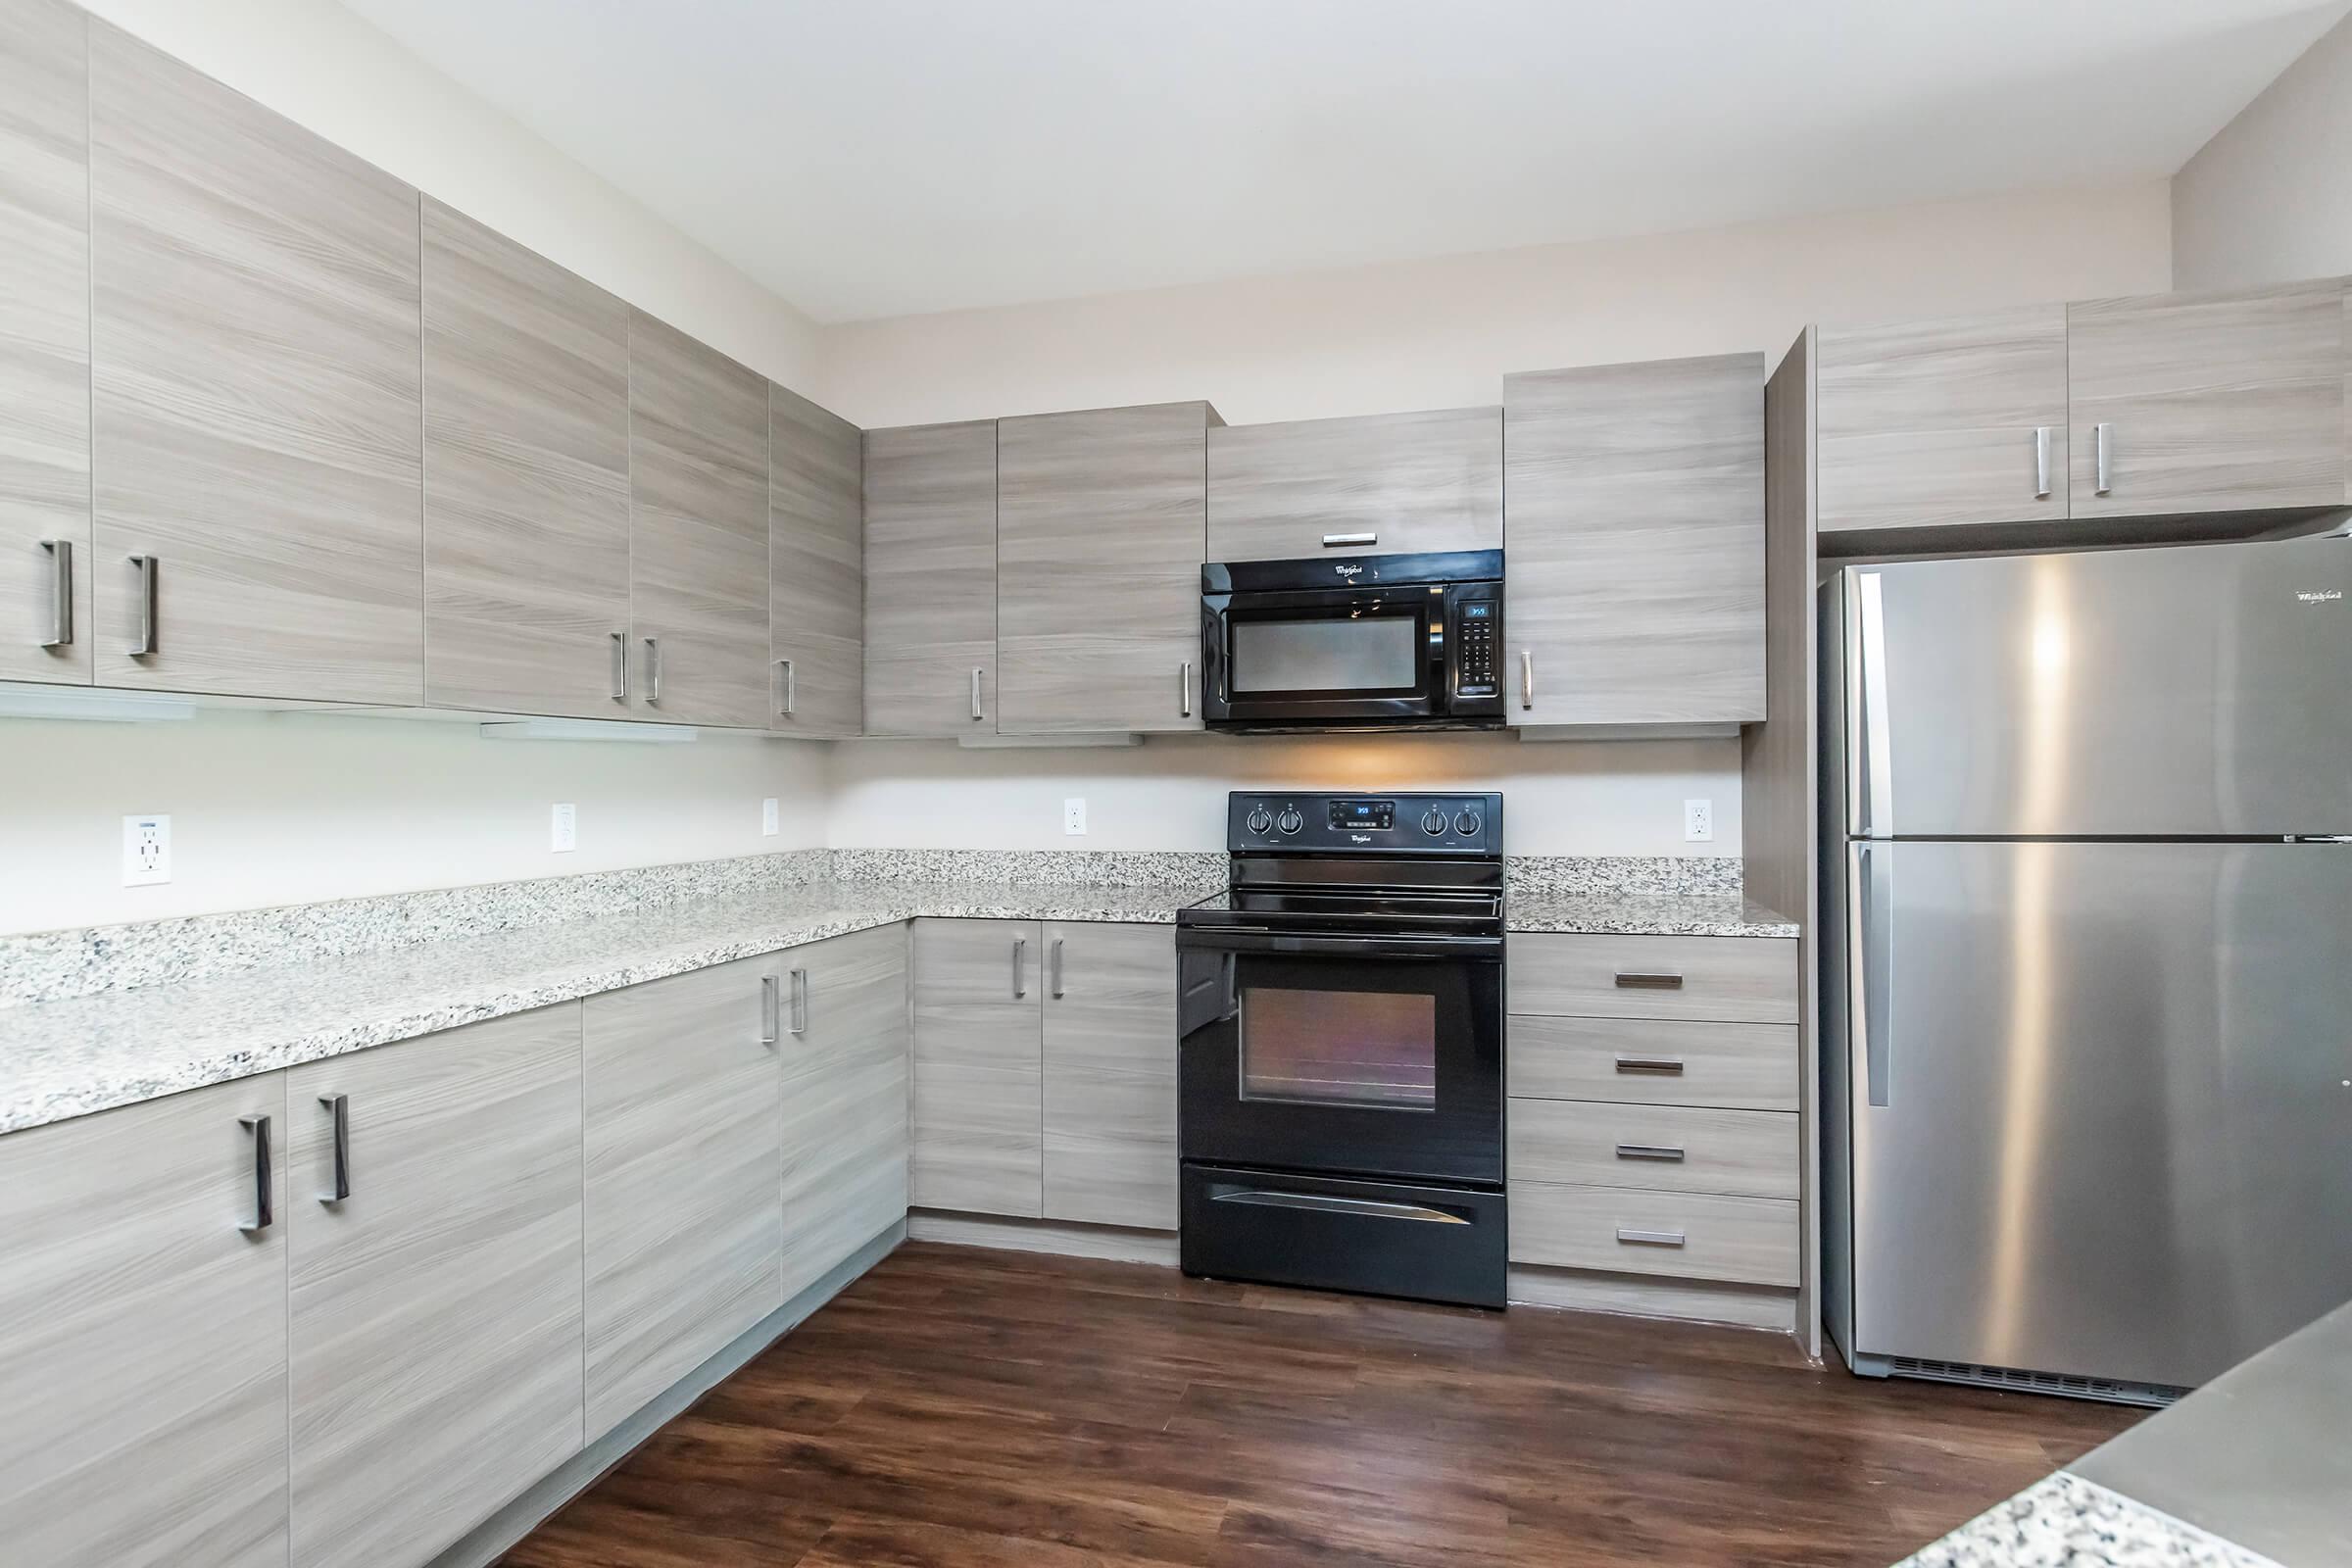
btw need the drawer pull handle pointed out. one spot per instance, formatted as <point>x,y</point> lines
<point>1664,1152</point>
<point>1662,1067</point>
<point>1647,980</point>
<point>1633,1238</point>
<point>1324,1204</point>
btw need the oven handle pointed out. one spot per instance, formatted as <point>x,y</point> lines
<point>1326,1203</point>
<point>1218,939</point>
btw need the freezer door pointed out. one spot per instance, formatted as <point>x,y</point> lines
<point>2169,693</point>
<point>2101,1101</point>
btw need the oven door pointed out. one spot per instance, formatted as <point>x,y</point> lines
<point>1373,1056</point>
<point>1324,655</point>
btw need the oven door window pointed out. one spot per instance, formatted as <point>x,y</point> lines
<point>1376,651</point>
<point>1374,1049</point>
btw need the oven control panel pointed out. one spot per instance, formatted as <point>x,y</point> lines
<point>1324,822</point>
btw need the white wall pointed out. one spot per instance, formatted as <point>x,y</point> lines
<point>2270,198</point>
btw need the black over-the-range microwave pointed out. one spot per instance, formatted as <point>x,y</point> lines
<point>1353,642</point>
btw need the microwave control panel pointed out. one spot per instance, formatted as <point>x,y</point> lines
<point>1476,662</point>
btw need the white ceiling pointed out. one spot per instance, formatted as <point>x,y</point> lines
<point>869,158</point>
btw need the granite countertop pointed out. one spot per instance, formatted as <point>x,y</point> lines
<point>2067,1522</point>
<point>1666,915</point>
<point>86,1053</point>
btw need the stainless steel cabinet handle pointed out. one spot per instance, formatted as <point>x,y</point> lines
<point>1526,677</point>
<point>1020,946</point>
<point>653,669</point>
<point>146,645</point>
<point>1184,690</point>
<point>1053,961</point>
<point>1342,541</point>
<point>977,715</point>
<point>769,1011</point>
<point>1639,1238</point>
<point>2099,433</point>
<point>620,666</point>
<point>1664,1152</point>
<point>784,673</point>
<point>1664,1066</point>
<point>339,1107</point>
<point>1649,980</point>
<point>800,1003</point>
<point>61,593</point>
<point>263,1215</point>
<point>2041,463</point>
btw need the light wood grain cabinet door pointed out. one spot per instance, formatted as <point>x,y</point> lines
<point>979,1140</point>
<point>44,343</point>
<point>698,536</point>
<point>931,580</point>
<point>684,1234</point>
<point>1635,541</point>
<point>526,478</point>
<point>254,366</point>
<point>1100,532</point>
<point>2207,402</point>
<point>1391,483</point>
<point>845,1114</point>
<point>816,569</point>
<point>436,1307</point>
<point>143,1335</point>
<point>1955,421</point>
<point>1110,1074</point>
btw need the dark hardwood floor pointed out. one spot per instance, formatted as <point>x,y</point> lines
<point>959,1406</point>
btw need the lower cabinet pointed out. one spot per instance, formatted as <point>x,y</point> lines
<point>684,1144</point>
<point>845,1049</point>
<point>433,1277</point>
<point>1045,1070</point>
<point>143,1335</point>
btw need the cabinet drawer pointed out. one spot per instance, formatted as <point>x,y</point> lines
<point>1694,1235</point>
<point>1653,1061</point>
<point>1727,979</point>
<point>1680,1149</point>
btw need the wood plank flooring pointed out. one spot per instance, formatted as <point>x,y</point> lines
<point>983,1409</point>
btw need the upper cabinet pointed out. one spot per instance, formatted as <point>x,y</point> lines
<point>255,361</point>
<point>698,536</point>
<point>1634,592</point>
<point>1099,531</point>
<point>816,568</point>
<point>44,343</point>
<point>1395,483</point>
<point>2207,403</point>
<point>1961,420</point>
<point>931,580</point>
<point>526,478</point>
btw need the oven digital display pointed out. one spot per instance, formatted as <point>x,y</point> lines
<point>1363,814</point>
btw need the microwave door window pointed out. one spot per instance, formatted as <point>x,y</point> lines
<point>1327,653</point>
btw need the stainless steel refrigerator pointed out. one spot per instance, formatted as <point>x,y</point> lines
<point>2086,977</point>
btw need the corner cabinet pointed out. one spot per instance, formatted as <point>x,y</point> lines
<point>816,569</point>
<point>143,1335</point>
<point>931,580</point>
<point>979,1081</point>
<point>1635,536</point>
<point>846,1063</point>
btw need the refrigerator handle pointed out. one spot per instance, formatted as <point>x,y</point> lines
<point>1871,942</point>
<point>1873,768</point>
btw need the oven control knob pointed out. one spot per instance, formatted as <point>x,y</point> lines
<point>1467,825</point>
<point>1290,822</point>
<point>1259,820</point>
<point>1433,823</point>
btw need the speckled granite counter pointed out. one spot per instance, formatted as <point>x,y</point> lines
<point>2067,1522</point>
<point>1665,914</point>
<point>84,1053</point>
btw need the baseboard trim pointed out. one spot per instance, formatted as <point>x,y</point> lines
<point>1113,1243</point>
<point>497,1534</point>
<point>1746,1307</point>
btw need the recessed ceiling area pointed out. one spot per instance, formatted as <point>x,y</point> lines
<point>874,158</point>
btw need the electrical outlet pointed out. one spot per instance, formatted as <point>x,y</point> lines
<point>1698,821</point>
<point>1073,814</point>
<point>146,851</point>
<point>767,817</point>
<point>563,828</point>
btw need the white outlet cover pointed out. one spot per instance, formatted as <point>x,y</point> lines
<point>1698,821</point>
<point>1073,814</point>
<point>563,828</point>
<point>146,851</point>
<point>769,823</point>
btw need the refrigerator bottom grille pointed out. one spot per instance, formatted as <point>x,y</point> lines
<point>2158,1394</point>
